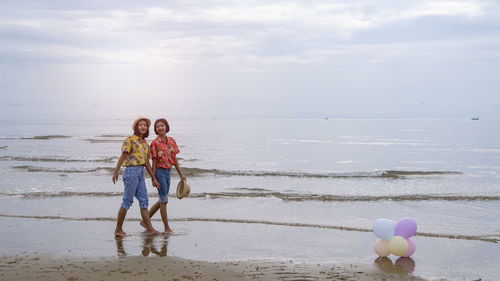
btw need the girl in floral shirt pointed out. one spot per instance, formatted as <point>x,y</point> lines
<point>134,157</point>
<point>163,153</point>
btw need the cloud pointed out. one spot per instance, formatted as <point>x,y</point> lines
<point>246,32</point>
<point>212,55</point>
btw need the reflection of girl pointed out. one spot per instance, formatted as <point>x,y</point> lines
<point>149,246</point>
<point>163,153</point>
<point>135,155</point>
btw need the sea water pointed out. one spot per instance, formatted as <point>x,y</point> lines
<point>304,189</point>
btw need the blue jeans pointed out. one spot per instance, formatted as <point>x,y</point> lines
<point>133,179</point>
<point>163,177</point>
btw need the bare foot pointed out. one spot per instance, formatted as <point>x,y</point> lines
<point>153,232</point>
<point>143,225</point>
<point>120,234</point>
<point>168,231</point>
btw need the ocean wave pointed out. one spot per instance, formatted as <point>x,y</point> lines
<point>383,143</point>
<point>344,198</point>
<point>285,196</point>
<point>29,168</point>
<point>56,159</point>
<point>49,194</point>
<point>197,172</point>
<point>300,174</point>
<point>45,137</point>
<point>482,150</point>
<point>104,140</point>
<point>484,238</point>
<point>112,136</point>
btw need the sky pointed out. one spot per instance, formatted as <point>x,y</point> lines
<point>249,59</point>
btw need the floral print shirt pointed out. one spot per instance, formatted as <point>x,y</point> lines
<point>164,152</point>
<point>138,151</point>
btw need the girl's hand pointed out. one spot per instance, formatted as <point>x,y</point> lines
<point>155,183</point>
<point>183,178</point>
<point>115,177</point>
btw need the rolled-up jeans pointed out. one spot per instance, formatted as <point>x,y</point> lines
<point>133,179</point>
<point>163,177</point>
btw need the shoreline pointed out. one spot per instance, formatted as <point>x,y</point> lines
<point>31,244</point>
<point>52,267</point>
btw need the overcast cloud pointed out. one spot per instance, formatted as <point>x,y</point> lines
<point>90,59</point>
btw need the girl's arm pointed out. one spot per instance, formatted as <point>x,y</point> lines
<point>179,170</point>
<point>118,165</point>
<point>152,173</point>
<point>155,162</point>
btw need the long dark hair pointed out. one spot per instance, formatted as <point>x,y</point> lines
<point>136,130</point>
<point>164,121</point>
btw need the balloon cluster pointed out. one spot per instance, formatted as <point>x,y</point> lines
<point>394,237</point>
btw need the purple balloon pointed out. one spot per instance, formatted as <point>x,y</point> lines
<point>406,227</point>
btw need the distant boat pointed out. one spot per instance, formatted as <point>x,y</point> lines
<point>474,118</point>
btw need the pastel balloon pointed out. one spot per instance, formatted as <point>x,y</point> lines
<point>411,248</point>
<point>398,245</point>
<point>382,248</point>
<point>384,228</point>
<point>405,227</point>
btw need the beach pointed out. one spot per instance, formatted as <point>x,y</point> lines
<point>43,267</point>
<point>263,195</point>
<point>314,140</point>
<point>45,248</point>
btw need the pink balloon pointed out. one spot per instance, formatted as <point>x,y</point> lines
<point>406,227</point>
<point>411,248</point>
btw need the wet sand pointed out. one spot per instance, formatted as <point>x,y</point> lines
<point>47,248</point>
<point>46,267</point>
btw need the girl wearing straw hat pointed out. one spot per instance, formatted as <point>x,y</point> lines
<point>163,153</point>
<point>135,156</point>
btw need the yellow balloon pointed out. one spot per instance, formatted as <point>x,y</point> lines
<point>382,248</point>
<point>398,245</point>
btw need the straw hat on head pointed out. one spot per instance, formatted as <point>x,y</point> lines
<point>183,189</point>
<point>139,119</point>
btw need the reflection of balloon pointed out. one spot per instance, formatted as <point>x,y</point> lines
<point>406,265</point>
<point>384,228</point>
<point>382,248</point>
<point>406,227</point>
<point>384,264</point>
<point>398,245</point>
<point>411,248</point>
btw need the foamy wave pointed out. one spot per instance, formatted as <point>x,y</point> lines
<point>285,196</point>
<point>196,172</point>
<point>484,238</point>
<point>112,136</point>
<point>483,150</point>
<point>56,159</point>
<point>49,194</point>
<point>284,141</point>
<point>104,140</point>
<point>28,168</point>
<point>46,137</point>
<point>384,143</point>
<point>300,174</point>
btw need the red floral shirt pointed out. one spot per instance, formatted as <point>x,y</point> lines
<point>164,152</point>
